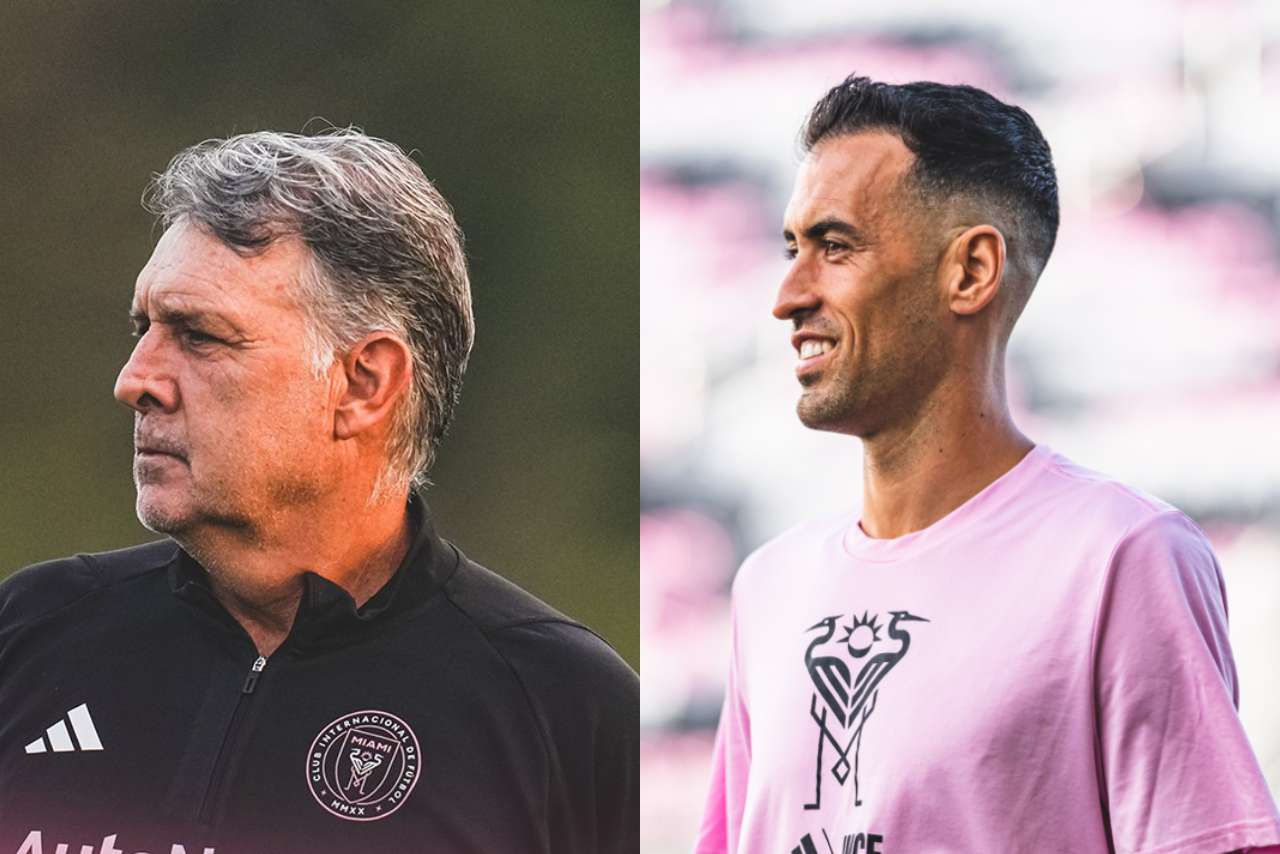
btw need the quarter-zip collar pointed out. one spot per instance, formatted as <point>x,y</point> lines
<point>327,616</point>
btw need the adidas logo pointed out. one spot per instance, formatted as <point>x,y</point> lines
<point>58,737</point>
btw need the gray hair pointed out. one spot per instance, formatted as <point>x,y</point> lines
<point>386,254</point>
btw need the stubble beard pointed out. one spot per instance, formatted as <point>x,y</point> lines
<point>827,403</point>
<point>158,518</point>
<point>176,508</point>
<point>865,399</point>
<point>182,510</point>
<point>157,494</point>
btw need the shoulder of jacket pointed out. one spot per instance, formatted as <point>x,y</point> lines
<point>44,588</point>
<point>530,634</point>
<point>492,602</point>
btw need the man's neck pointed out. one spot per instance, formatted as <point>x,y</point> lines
<point>917,474</point>
<point>259,578</point>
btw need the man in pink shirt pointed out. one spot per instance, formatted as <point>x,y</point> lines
<point>1004,652</point>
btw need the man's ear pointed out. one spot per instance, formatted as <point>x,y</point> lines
<point>975,270</point>
<point>377,370</point>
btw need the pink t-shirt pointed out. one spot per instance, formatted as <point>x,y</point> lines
<point>1046,669</point>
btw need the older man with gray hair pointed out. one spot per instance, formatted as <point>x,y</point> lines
<point>301,664</point>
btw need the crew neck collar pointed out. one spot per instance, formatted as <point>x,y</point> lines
<point>327,614</point>
<point>856,543</point>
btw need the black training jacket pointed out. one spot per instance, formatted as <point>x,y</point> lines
<point>454,712</point>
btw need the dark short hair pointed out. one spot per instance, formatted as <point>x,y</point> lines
<point>967,144</point>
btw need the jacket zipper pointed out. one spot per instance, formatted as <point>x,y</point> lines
<point>220,761</point>
<point>251,681</point>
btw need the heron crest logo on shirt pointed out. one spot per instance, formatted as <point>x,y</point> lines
<point>841,702</point>
<point>363,766</point>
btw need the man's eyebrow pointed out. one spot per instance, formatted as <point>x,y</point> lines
<point>177,316</point>
<point>823,227</point>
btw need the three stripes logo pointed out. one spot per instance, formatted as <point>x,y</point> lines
<point>806,845</point>
<point>58,737</point>
<point>853,843</point>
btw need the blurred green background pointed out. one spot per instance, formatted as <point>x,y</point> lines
<point>525,114</point>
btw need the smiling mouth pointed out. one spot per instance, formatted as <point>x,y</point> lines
<point>813,353</point>
<point>813,347</point>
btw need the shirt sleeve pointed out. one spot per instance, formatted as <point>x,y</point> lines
<point>587,702</point>
<point>730,767</point>
<point>1176,768</point>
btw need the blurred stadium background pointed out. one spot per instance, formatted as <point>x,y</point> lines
<point>1151,349</point>
<point>525,114</point>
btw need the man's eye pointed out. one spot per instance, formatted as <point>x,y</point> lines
<point>789,253</point>
<point>194,336</point>
<point>830,246</point>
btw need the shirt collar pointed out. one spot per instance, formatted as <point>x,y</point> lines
<point>327,615</point>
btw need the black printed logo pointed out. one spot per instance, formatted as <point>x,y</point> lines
<point>841,703</point>
<point>854,843</point>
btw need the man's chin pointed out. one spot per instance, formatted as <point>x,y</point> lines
<point>814,410</point>
<point>163,514</point>
<point>820,412</point>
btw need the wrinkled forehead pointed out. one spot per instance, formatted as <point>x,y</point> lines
<point>853,177</point>
<point>191,269</point>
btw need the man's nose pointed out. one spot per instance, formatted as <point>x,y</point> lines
<point>797,294</point>
<point>145,382</point>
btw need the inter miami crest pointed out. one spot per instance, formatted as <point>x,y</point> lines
<point>363,766</point>
<point>842,703</point>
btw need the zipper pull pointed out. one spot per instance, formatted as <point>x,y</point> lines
<point>251,681</point>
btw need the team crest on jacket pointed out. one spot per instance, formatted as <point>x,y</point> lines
<point>363,766</point>
<point>842,702</point>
